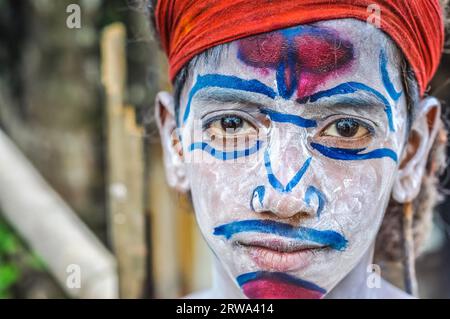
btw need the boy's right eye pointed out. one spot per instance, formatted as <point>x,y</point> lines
<point>231,130</point>
<point>231,122</point>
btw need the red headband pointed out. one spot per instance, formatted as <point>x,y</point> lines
<point>188,27</point>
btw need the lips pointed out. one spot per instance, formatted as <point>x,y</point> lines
<point>299,234</point>
<point>278,254</point>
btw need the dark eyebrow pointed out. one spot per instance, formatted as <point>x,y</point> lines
<point>352,88</point>
<point>235,83</point>
<point>226,96</point>
<point>359,99</point>
<point>227,82</point>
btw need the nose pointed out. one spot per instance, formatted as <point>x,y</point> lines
<point>290,197</point>
<point>283,205</point>
<point>311,202</point>
<point>288,189</point>
<point>286,161</point>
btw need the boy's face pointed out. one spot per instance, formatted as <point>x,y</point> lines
<point>291,144</point>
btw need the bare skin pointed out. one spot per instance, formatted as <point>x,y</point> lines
<point>292,144</point>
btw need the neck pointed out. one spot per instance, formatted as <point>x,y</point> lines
<point>354,285</point>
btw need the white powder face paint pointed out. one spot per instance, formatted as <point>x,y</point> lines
<point>355,192</point>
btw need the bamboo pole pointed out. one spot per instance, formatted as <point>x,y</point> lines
<point>52,229</point>
<point>125,168</point>
<point>164,234</point>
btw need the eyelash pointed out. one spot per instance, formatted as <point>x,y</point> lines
<point>327,122</point>
<point>361,122</point>
<point>210,120</point>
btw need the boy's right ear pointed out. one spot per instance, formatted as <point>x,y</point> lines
<point>171,144</point>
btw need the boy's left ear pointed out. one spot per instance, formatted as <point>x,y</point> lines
<point>415,156</point>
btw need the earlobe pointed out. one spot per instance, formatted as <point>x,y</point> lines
<point>415,156</point>
<point>171,144</point>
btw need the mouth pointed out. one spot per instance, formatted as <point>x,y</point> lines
<point>276,254</point>
<point>276,246</point>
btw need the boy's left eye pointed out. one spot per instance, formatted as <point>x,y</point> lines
<point>346,128</point>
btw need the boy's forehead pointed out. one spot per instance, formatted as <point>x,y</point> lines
<point>310,57</point>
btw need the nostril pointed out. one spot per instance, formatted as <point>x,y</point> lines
<point>257,199</point>
<point>289,206</point>
<point>321,200</point>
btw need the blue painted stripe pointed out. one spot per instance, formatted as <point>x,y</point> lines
<point>352,87</point>
<point>279,276</point>
<point>273,180</point>
<point>310,191</point>
<point>353,154</point>
<point>289,118</point>
<point>324,237</point>
<point>386,79</point>
<point>225,155</point>
<point>286,90</point>
<point>226,82</point>
<point>259,193</point>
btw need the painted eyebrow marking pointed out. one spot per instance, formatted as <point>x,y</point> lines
<point>227,82</point>
<point>289,118</point>
<point>386,79</point>
<point>349,88</point>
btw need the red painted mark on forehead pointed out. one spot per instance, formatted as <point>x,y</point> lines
<point>303,57</point>
<point>263,51</point>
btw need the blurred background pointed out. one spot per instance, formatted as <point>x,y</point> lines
<point>82,216</point>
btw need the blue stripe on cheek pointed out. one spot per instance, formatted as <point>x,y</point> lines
<point>289,118</point>
<point>354,154</point>
<point>225,155</point>
<point>226,82</point>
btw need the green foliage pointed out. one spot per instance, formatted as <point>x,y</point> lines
<point>9,274</point>
<point>15,259</point>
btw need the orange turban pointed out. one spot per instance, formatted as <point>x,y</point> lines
<point>189,27</point>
